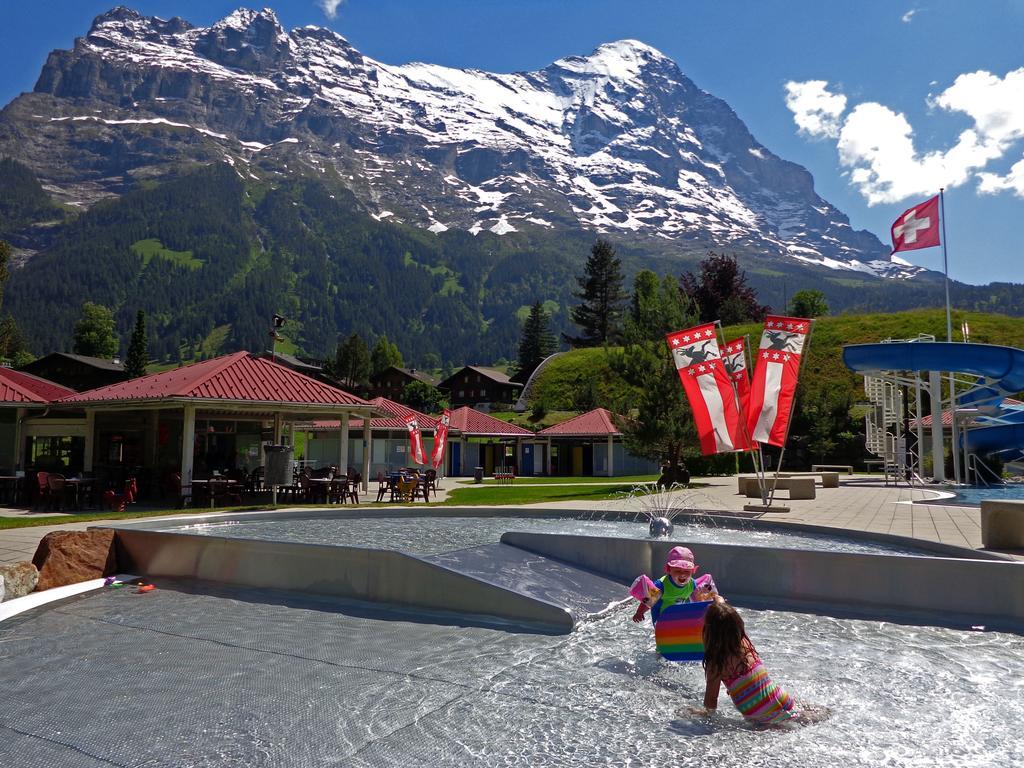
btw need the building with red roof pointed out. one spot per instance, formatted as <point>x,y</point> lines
<point>22,395</point>
<point>591,444</point>
<point>211,416</point>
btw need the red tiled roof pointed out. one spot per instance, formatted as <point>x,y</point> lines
<point>471,422</point>
<point>395,421</point>
<point>599,422</point>
<point>19,387</point>
<point>240,376</point>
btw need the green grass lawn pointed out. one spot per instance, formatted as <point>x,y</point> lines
<point>511,494</point>
<point>629,479</point>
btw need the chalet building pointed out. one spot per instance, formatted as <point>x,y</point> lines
<point>77,372</point>
<point>476,385</point>
<point>391,382</point>
<point>586,445</point>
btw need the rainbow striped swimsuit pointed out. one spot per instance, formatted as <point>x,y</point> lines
<point>758,699</point>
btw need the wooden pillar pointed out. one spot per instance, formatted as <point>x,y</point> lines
<point>278,426</point>
<point>343,444</point>
<point>188,441</point>
<point>367,451</point>
<point>611,456</point>
<point>90,440</point>
<point>152,435</point>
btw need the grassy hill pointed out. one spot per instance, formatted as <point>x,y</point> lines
<point>829,416</point>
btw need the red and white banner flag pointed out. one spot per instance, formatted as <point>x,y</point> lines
<point>441,438</point>
<point>706,383</point>
<point>917,227</point>
<point>415,439</point>
<point>775,377</point>
<point>736,367</point>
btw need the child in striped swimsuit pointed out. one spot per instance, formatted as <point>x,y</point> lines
<point>730,658</point>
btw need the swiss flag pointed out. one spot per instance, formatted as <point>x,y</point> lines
<point>917,227</point>
<point>783,341</point>
<point>706,383</point>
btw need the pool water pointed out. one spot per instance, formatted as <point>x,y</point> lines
<point>206,675</point>
<point>435,535</point>
<point>973,497</point>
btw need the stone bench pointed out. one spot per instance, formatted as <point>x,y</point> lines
<point>848,468</point>
<point>1002,524</point>
<point>746,482</point>
<point>798,487</point>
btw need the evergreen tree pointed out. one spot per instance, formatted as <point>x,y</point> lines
<point>94,332</point>
<point>599,315</point>
<point>352,363</point>
<point>384,355</point>
<point>137,359</point>
<point>721,292</point>
<point>536,342</point>
<point>660,426</point>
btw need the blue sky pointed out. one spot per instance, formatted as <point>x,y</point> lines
<point>882,100</point>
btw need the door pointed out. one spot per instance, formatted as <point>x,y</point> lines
<point>527,468</point>
<point>577,460</point>
<point>456,454</point>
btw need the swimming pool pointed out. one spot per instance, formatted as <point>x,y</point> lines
<point>434,534</point>
<point>972,497</point>
<point>202,674</point>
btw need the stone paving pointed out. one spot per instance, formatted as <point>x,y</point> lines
<point>861,503</point>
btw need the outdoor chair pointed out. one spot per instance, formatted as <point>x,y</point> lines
<point>406,488</point>
<point>43,490</point>
<point>430,478</point>
<point>354,481</point>
<point>118,502</point>
<point>383,485</point>
<point>59,490</point>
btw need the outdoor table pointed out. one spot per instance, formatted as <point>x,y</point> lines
<point>79,485</point>
<point>321,487</point>
<point>10,488</point>
<point>211,486</point>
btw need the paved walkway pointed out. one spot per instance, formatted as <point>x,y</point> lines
<point>859,504</point>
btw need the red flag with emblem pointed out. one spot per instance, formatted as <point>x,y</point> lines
<point>783,343</point>
<point>415,439</point>
<point>917,227</point>
<point>697,357</point>
<point>441,438</point>
<point>736,367</point>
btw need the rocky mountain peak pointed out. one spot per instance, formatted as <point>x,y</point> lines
<point>249,40</point>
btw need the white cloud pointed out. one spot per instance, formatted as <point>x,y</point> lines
<point>877,144</point>
<point>992,183</point>
<point>330,7</point>
<point>906,17</point>
<point>816,111</point>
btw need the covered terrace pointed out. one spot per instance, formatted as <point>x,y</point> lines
<point>478,439</point>
<point>205,419</point>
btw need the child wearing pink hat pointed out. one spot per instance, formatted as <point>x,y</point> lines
<point>676,586</point>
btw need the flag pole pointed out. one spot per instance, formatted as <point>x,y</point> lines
<point>759,460</point>
<point>758,471</point>
<point>954,432</point>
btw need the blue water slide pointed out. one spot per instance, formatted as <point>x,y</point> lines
<point>1003,367</point>
<point>1000,372</point>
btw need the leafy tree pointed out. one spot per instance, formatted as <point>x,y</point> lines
<point>352,363</point>
<point>660,424</point>
<point>423,397</point>
<point>137,359</point>
<point>599,315</point>
<point>12,343</point>
<point>721,292</point>
<point>536,342</point>
<point>384,355</point>
<point>94,332</point>
<point>808,303</point>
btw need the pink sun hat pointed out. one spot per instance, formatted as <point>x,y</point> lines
<point>680,557</point>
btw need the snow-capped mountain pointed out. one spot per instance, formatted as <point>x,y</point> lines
<point>618,142</point>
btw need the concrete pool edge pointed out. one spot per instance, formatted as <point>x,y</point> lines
<point>916,590</point>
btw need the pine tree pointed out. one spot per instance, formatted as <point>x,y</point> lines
<point>536,342</point>
<point>137,359</point>
<point>94,332</point>
<point>599,315</point>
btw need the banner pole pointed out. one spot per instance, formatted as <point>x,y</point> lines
<point>792,408</point>
<point>758,473</point>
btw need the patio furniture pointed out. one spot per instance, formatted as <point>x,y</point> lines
<point>80,489</point>
<point>42,490</point>
<point>406,488</point>
<point>430,478</point>
<point>355,479</point>
<point>383,486</point>
<point>59,490</point>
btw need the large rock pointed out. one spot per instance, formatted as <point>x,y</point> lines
<point>69,557</point>
<point>18,579</point>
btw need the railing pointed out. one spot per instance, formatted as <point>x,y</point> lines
<point>975,464</point>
